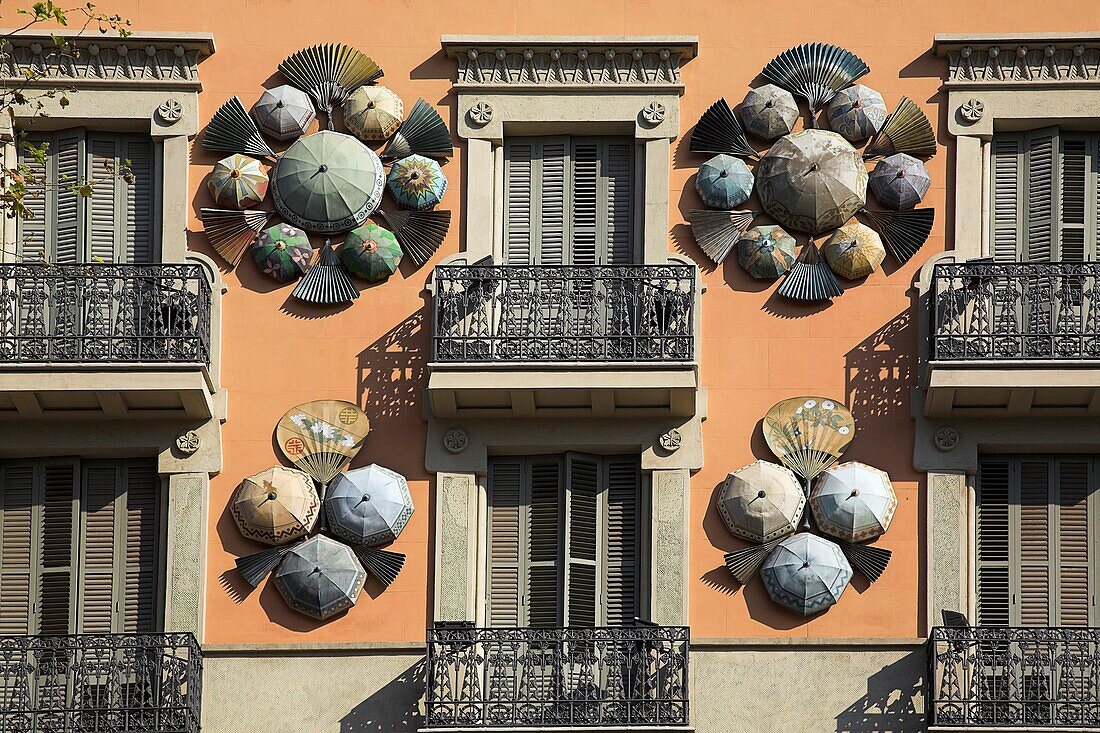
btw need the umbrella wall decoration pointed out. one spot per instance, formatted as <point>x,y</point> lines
<point>319,566</point>
<point>328,182</point>
<point>814,181</point>
<point>765,504</point>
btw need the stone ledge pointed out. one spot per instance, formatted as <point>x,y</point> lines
<point>1023,59</point>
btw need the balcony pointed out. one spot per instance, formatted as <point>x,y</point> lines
<point>122,683</point>
<point>105,340</point>
<point>1014,339</point>
<point>512,678</point>
<point>1014,678</point>
<point>571,340</point>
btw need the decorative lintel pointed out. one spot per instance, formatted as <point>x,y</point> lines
<point>1020,59</point>
<point>510,62</point>
<point>142,60</point>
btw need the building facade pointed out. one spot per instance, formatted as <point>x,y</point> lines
<point>564,562</point>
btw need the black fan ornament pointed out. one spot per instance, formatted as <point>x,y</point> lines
<point>817,162</point>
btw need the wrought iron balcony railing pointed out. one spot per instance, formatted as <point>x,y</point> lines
<point>496,677</point>
<point>570,313</point>
<point>1015,677</point>
<point>1015,310</point>
<point>121,683</point>
<point>104,313</point>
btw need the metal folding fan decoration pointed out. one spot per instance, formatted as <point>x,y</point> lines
<point>326,183</point>
<point>326,529</point>
<point>808,520</point>
<point>814,181</point>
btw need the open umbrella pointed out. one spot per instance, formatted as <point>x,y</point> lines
<point>371,252</point>
<point>237,182</point>
<point>284,112</point>
<point>320,577</point>
<point>854,250</point>
<point>769,112</point>
<point>761,502</point>
<point>724,182</point>
<point>854,502</point>
<point>327,182</point>
<point>857,112</point>
<point>806,573</point>
<point>275,506</point>
<point>812,181</point>
<point>282,252</point>
<point>766,252</point>
<point>368,506</point>
<point>899,181</point>
<point>417,182</point>
<point>373,112</point>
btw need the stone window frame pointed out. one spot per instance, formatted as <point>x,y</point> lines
<point>147,82</point>
<point>993,82</point>
<point>575,85</point>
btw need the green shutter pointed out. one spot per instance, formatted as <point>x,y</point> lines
<point>543,599</point>
<point>54,232</point>
<point>17,539</point>
<point>584,491</point>
<point>31,233</point>
<point>138,233</point>
<point>507,542</point>
<point>621,546</point>
<point>107,209</point>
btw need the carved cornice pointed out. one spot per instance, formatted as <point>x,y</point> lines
<point>1021,60</point>
<point>570,62</point>
<point>91,59</point>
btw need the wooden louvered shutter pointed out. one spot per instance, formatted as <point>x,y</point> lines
<point>16,547</point>
<point>57,556</point>
<point>70,216</point>
<point>137,232</point>
<point>1032,594</point>
<point>35,230</point>
<point>993,541</point>
<point>620,202</point>
<point>621,552</point>
<point>519,185</point>
<point>543,600</point>
<point>1074,597</point>
<point>588,234</point>
<point>1077,153</point>
<point>603,201</point>
<point>1042,173</point>
<point>553,239</point>
<point>139,592</point>
<point>583,538</point>
<point>1007,214</point>
<point>107,214</point>
<point>537,189</point>
<point>102,511</point>
<point>507,541</point>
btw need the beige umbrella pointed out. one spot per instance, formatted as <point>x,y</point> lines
<point>275,506</point>
<point>812,181</point>
<point>854,250</point>
<point>761,502</point>
<point>373,112</point>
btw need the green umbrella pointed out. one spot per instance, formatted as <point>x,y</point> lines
<point>371,252</point>
<point>327,182</point>
<point>417,182</point>
<point>766,252</point>
<point>282,252</point>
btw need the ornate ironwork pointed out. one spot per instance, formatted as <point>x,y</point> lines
<point>557,677</point>
<point>619,313</point>
<point>123,683</point>
<point>1015,677</point>
<point>117,313</point>
<point>1015,310</point>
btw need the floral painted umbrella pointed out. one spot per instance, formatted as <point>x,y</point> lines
<point>371,252</point>
<point>320,577</point>
<point>284,112</point>
<point>854,250</point>
<point>766,252</point>
<point>238,182</point>
<point>373,112</point>
<point>806,573</point>
<point>282,252</point>
<point>724,182</point>
<point>417,182</point>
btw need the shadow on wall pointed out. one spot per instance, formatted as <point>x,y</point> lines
<point>393,708</point>
<point>895,700</point>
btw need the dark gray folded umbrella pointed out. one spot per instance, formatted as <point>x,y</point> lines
<point>368,506</point>
<point>320,577</point>
<point>899,181</point>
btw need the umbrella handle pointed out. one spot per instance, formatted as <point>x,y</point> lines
<point>806,508</point>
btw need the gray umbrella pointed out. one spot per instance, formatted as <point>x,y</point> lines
<point>769,112</point>
<point>724,182</point>
<point>899,181</point>
<point>284,112</point>
<point>320,577</point>
<point>761,502</point>
<point>806,573</point>
<point>854,502</point>
<point>368,506</point>
<point>812,181</point>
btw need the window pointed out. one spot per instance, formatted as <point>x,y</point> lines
<point>569,201</point>
<point>1037,540</point>
<point>115,224</point>
<point>564,540</point>
<point>78,546</point>
<point>1045,196</point>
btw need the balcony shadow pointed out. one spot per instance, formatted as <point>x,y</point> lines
<point>393,708</point>
<point>894,702</point>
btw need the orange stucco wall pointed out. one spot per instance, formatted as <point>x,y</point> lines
<point>756,348</point>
